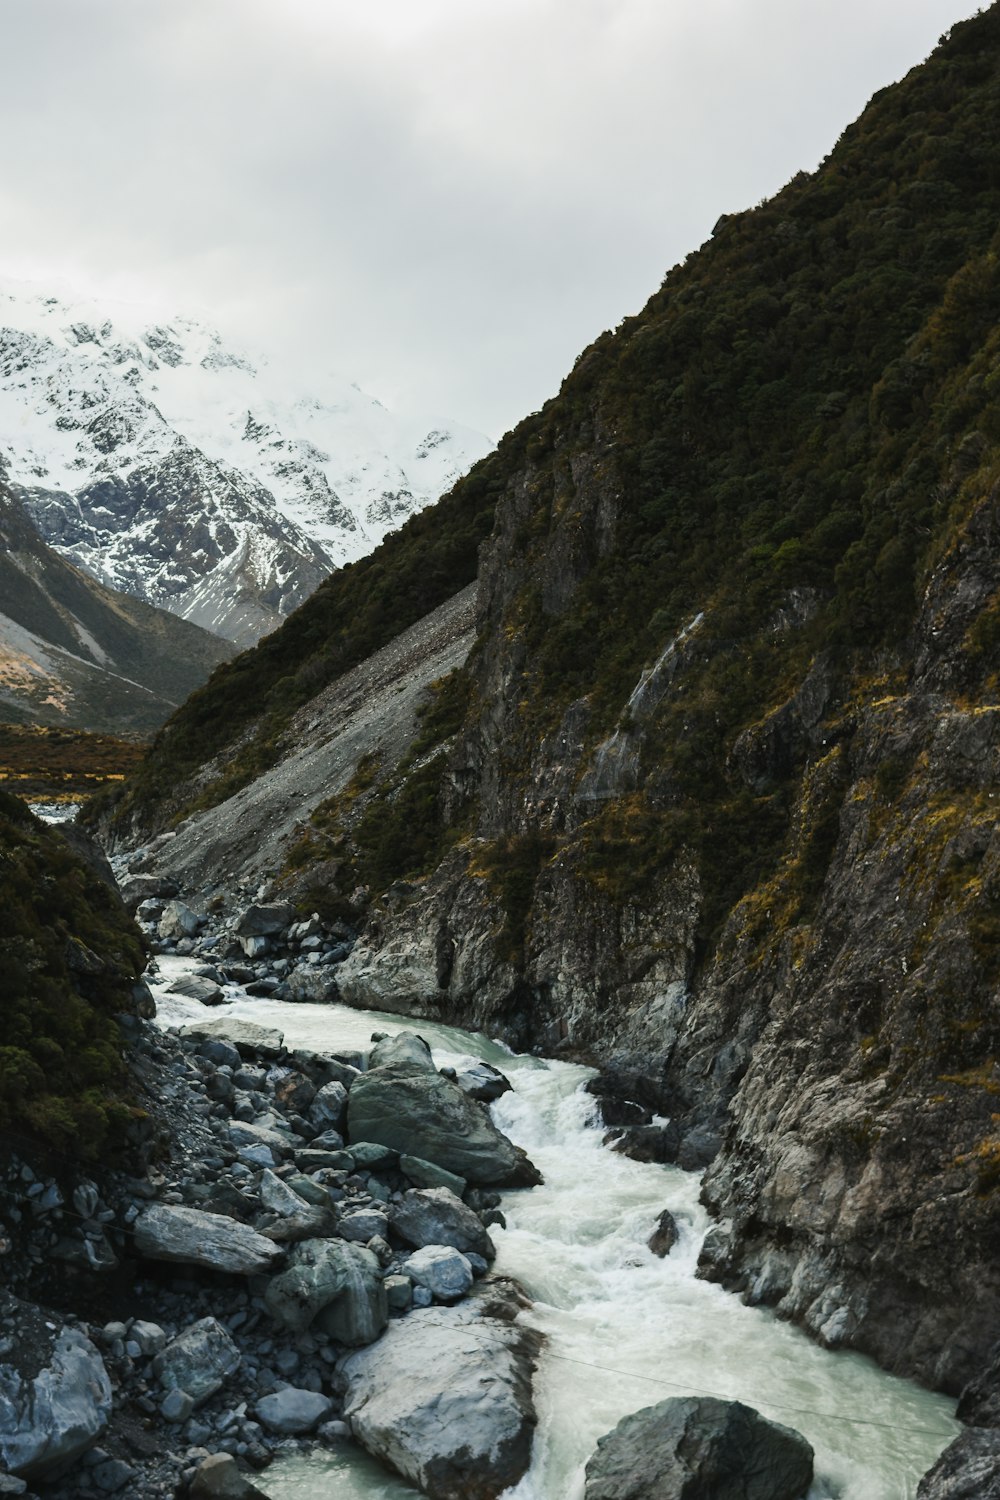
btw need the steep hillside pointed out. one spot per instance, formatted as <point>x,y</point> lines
<point>177,469</point>
<point>712,798</point>
<point>78,655</point>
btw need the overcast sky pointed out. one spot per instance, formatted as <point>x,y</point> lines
<point>444,200</point>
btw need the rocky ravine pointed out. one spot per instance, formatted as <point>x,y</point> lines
<point>199,1314</point>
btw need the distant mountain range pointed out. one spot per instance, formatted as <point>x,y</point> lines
<point>180,471</point>
<point>79,655</point>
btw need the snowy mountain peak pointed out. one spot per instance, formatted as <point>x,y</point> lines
<point>193,474</point>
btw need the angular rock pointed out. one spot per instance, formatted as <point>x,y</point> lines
<point>265,921</point>
<point>199,1361</point>
<point>246,1036</point>
<point>480,1080</point>
<point>312,987</point>
<point>445,1399</point>
<point>328,1107</point>
<point>434,1216</point>
<point>278,1196</point>
<point>245,1133</point>
<point>49,1418</point>
<point>294,1093</point>
<point>220,1052</point>
<point>664,1236</point>
<point>189,1236</point>
<point>290,1411</point>
<point>178,921</point>
<point>404,1047</point>
<point>140,888</point>
<point>219,1477</point>
<point>406,1106</point>
<point>193,987</point>
<point>426,1174</point>
<point>363,1224</point>
<point>699,1448</point>
<point>979,1403</point>
<point>968,1469</point>
<point>445,1272</point>
<point>334,1284</point>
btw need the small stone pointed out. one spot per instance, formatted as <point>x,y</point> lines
<point>176,1406</point>
<point>443,1271</point>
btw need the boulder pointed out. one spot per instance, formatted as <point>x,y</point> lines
<point>334,1284</point>
<point>664,1236</point>
<point>290,1411</point>
<point>434,1216</point>
<point>483,1082</point>
<point>445,1272</point>
<point>50,1415</point>
<point>328,1107</point>
<point>140,888</point>
<point>219,1477</point>
<point>445,1399</point>
<point>198,1361</point>
<point>405,1046</point>
<point>190,1236</point>
<point>407,1106</point>
<point>426,1174</point>
<point>195,987</point>
<point>245,1133</point>
<point>265,921</point>
<point>246,1036</point>
<point>699,1448</point>
<point>968,1469</point>
<point>311,987</point>
<point>363,1224</point>
<point>178,921</point>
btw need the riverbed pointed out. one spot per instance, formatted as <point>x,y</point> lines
<point>623,1328</point>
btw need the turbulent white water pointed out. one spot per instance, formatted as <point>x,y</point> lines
<point>625,1329</point>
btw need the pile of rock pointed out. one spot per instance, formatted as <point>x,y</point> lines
<point>307,1201</point>
<point>264,948</point>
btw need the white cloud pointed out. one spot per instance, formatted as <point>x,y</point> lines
<point>444,199</point>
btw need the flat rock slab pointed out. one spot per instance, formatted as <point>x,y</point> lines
<point>246,1036</point>
<point>190,1236</point>
<point>445,1399</point>
<point>699,1448</point>
<point>196,987</point>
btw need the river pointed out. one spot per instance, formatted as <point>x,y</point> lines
<point>624,1329</point>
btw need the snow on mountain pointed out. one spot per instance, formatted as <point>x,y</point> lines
<point>182,471</point>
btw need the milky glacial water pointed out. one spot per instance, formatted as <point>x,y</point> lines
<point>624,1329</point>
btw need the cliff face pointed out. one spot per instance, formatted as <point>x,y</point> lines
<point>711,801</point>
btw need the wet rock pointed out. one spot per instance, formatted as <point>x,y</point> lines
<point>190,1236</point>
<point>664,1236</point>
<point>426,1174</point>
<point>291,1412</point>
<point>435,1216</point>
<point>699,1448</point>
<point>404,1047</point>
<point>445,1399</point>
<point>194,987</point>
<point>52,1413</point>
<point>483,1082</point>
<point>199,1361</point>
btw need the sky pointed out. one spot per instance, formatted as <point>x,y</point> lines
<point>443,200</point>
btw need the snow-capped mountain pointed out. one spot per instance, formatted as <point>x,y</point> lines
<point>182,471</point>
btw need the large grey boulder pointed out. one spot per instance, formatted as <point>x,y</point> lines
<point>178,921</point>
<point>333,1284</point>
<point>968,1469</point>
<point>699,1448</point>
<point>405,1046</point>
<point>196,987</point>
<point>264,921</point>
<point>445,1399</point>
<point>198,1361</point>
<point>434,1216</point>
<point>291,1411</point>
<point>190,1236</point>
<point>409,1107</point>
<point>246,1036</point>
<point>49,1416</point>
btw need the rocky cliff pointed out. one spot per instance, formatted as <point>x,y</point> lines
<point>711,800</point>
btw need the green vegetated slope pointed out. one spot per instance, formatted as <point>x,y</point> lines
<point>71,957</point>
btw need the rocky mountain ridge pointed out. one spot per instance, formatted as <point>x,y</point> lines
<point>174,468</point>
<point>76,654</point>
